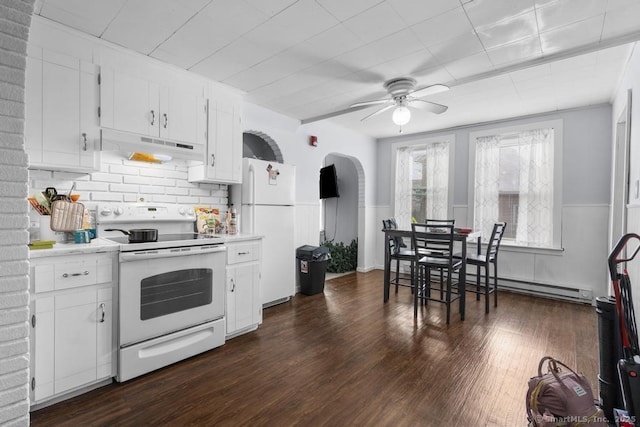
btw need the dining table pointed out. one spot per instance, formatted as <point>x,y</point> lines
<point>458,236</point>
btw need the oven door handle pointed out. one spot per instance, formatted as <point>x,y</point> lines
<point>169,253</point>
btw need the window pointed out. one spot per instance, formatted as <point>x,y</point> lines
<point>516,179</point>
<point>422,181</point>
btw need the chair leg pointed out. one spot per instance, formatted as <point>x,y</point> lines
<point>412,281</point>
<point>486,287</point>
<point>416,293</point>
<point>495,284</point>
<point>478,274</point>
<point>448,301</point>
<point>397,274</point>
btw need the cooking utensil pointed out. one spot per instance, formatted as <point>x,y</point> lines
<point>138,235</point>
<point>37,207</point>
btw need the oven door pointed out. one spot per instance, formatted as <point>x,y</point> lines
<point>168,290</point>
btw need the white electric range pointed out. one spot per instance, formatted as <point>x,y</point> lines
<point>171,290</point>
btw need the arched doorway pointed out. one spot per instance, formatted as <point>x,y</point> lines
<point>342,218</point>
<point>259,145</point>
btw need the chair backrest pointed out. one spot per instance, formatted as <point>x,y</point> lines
<point>395,242</point>
<point>495,239</point>
<point>433,238</point>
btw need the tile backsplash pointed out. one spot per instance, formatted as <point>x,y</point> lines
<point>123,180</point>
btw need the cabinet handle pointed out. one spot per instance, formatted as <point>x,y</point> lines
<point>153,117</point>
<point>84,273</point>
<point>233,285</point>
<point>102,312</point>
<point>166,120</point>
<point>244,253</point>
<point>84,140</point>
<point>213,160</point>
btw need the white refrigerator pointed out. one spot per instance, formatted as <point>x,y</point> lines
<point>266,202</point>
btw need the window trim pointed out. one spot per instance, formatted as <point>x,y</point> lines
<point>558,133</point>
<point>448,138</point>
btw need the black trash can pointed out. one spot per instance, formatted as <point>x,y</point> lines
<point>312,266</point>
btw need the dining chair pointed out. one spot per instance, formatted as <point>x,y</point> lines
<point>484,261</point>
<point>398,252</point>
<point>433,246</point>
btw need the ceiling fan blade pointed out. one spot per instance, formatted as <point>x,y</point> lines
<point>429,90</point>
<point>368,103</point>
<point>428,106</point>
<point>375,113</point>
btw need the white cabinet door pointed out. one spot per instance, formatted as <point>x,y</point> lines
<point>224,144</point>
<point>42,347</point>
<point>104,334</point>
<point>244,307</point>
<point>129,103</point>
<point>75,339</point>
<point>182,115</point>
<point>59,86</point>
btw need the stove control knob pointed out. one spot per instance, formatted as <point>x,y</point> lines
<point>191,212</point>
<point>118,211</point>
<point>182,210</point>
<point>106,212</point>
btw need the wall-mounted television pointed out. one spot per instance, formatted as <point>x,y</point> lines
<point>328,182</point>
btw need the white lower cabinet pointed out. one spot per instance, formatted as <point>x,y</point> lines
<point>72,341</point>
<point>243,305</point>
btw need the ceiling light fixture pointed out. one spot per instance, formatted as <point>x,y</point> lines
<point>401,115</point>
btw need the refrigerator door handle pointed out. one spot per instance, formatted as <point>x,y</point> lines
<point>252,196</point>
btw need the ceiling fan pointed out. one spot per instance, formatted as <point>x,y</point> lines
<point>403,95</point>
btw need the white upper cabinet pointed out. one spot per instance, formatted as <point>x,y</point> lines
<point>140,105</point>
<point>224,140</point>
<point>61,112</point>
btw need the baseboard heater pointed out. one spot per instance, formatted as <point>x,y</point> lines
<point>544,290</point>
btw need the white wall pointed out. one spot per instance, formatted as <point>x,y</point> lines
<point>631,80</point>
<point>585,206</point>
<point>14,266</point>
<point>293,140</point>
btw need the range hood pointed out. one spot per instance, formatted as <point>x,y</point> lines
<point>125,142</point>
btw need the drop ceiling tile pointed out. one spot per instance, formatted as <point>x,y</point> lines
<point>89,16</point>
<point>375,23</point>
<point>344,10</point>
<point>588,60</point>
<point>622,20</point>
<point>618,54</point>
<point>271,7</point>
<point>485,12</point>
<point>565,12</point>
<point>531,73</point>
<point>432,75</point>
<point>523,50</point>
<point>574,35</point>
<point>621,4</point>
<point>404,66</point>
<point>534,84</point>
<point>508,30</point>
<point>142,25</point>
<point>333,42</point>
<point>214,27</point>
<point>414,11</point>
<point>385,49</point>
<point>451,24</point>
<point>456,48</point>
<point>295,20</point>
<point>470,65</point>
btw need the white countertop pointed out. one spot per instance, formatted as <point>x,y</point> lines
<point>105,245</point>
<point>96,245</point>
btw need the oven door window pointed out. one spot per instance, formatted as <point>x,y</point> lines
<point>175,291</point>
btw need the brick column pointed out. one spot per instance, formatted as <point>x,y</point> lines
<point>15,19</point>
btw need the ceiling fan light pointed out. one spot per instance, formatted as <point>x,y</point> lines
<point>401,115</point>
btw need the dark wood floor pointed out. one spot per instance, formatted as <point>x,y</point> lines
<point>343,358</point>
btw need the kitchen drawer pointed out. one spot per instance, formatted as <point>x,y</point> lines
<point>243,252</point>
<point>56,273</point>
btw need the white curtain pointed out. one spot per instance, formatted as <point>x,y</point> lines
<point>403,188</point>
<point>437,174</point>
<point>535,211</point>
<point>487,177</point>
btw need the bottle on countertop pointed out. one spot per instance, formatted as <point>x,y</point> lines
<point>233,220</point>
